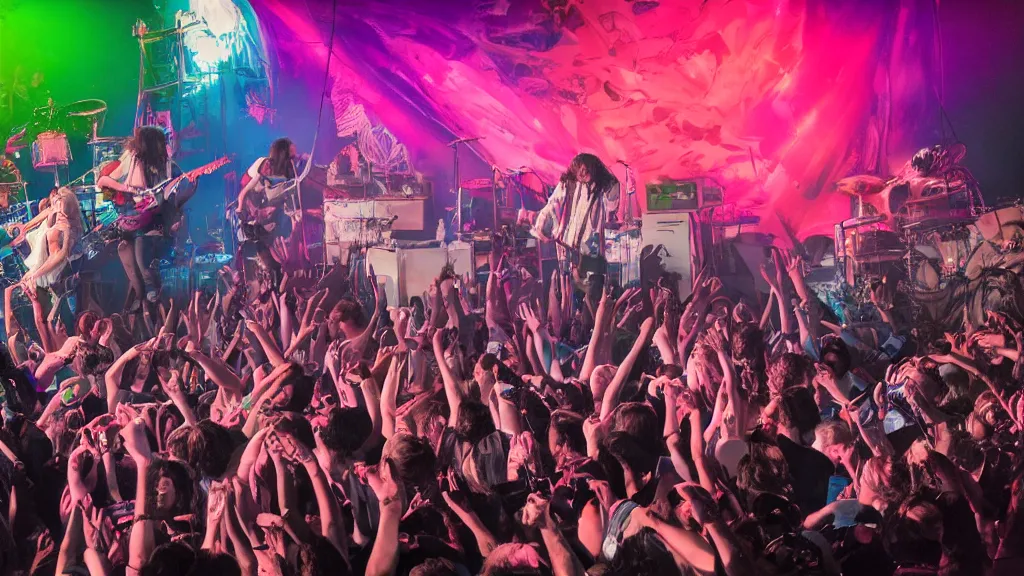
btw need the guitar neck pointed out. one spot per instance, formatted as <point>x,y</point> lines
<point>190,175</point>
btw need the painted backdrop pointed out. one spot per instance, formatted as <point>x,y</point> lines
<point>776,99</point>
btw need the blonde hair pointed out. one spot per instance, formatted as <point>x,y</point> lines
<point>833,433</point>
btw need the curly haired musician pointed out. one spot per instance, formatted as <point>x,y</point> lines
<point>145,164</point>
<point>577,213</point>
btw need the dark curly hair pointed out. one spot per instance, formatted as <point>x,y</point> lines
<point>602,178</point>
<point>186,501</point>
<point>149,145</point>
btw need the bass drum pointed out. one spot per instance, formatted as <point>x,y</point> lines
<point>925,271</point>
<point>1001,225</point>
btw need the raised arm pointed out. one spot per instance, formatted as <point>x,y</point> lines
<point>451,387</point>
<point>389,396</point>
<point>601,320</point>
<point>142,540</point>
<point>112,379</point>
<point>485,541</point>
<point>611,395</point>
<point>671,429</point>
<point>273,353</point>
<point>384,556</point>
<point>219,372</point>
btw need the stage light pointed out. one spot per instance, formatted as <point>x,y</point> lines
<point>212,43</point>
<point>207,51</point>
<point>221,16</point>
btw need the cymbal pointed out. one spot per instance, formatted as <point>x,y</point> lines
<point>107,140</point>
<point>84,117</point>
<point>863,185</point>
<point>83,108</point>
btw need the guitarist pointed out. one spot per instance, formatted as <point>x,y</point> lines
<point>145,163</point>
<point>582,206</point>
<point>259,207</point>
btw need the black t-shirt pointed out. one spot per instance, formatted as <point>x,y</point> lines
<point>810,471</point>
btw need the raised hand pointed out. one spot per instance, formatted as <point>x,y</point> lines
<point>217,502</point>
<point>333,359</point>
<point>173,387</point>
<point>529,316</point>
<point>626,298</point>
<point>522,452</point>
<point>792,262</point>
<point>679,395</point>
<point>81,483</point>
<point>92,526</point>
<point>384,481</point>
<point>702,505</point>
<point>715,339</point>
<point>537,512</point>
<point>136,442</point>
<point>780,267</point>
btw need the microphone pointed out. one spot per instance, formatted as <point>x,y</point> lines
<point>465,140</point>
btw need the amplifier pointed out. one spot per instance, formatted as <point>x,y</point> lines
<point>683,195</point>
<point>408,272</point>
<point>672,231</point>
<point>410,212</point>
<point>348,222</point>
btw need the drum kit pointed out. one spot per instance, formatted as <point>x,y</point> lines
<point>49,134</point>
<point>930,241</point>
<point>927,221</point>
<point>48,139</point>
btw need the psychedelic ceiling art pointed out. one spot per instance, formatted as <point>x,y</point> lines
<point>776,99</point>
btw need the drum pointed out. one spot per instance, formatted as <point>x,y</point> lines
<point>874,241</point>
<point>50,150</point>
<point>1001,224</point>
<point>933,213</point>
<point>925,274</point>
<point>106,149</point>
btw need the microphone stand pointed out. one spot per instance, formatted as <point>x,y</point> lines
<point>495,175</point>
<point>454,145</point>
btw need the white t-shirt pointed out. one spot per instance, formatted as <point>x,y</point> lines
<point>254,170</point>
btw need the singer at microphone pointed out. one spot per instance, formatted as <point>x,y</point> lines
<point>581,208</point>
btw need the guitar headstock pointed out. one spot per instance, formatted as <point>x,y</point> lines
<point>210,168</point>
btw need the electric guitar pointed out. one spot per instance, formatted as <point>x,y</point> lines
<point>147,202</point>
<point>263,207</point>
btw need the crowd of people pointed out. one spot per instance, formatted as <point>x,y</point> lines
<point>289,424</point>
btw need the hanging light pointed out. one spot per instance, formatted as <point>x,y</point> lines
<point>207,51</point>
<point>221,16</point>
<point>213,43</point>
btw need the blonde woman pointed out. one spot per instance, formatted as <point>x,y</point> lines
<point>52,245</point>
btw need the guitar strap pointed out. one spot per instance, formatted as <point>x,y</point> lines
<point>583,226</point>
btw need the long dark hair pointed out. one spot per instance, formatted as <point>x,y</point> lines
<point>599,173</point>
<point>184,486</point>
<point>280,158</point>
<point>149,145</point>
